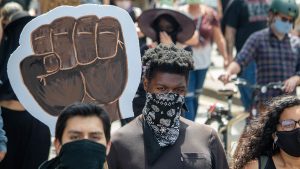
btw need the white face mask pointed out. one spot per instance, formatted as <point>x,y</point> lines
<point>123,4</point>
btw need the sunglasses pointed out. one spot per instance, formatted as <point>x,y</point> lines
<point>289,124</point>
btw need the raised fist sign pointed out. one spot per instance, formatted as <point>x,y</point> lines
<point>76,60</point>
<point>81,58</point>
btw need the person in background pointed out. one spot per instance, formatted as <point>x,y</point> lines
<point>272,140</point>
<point>216,5</point>
<point>208,26</point>
<point>23,3</point>
<point>296,29</point>
<point>163,26</point>
<point>3,138</point>
<point>38,7</point>
<point>275,52</point>
<point>241,19</point>
<point>134,13</point>
<point>159,138</point>
<point>82,136</point>
<point>28,139</point>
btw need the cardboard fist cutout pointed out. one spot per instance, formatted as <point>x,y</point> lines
<point>88,53</point>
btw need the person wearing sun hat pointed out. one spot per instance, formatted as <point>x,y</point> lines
<point>165,26</point>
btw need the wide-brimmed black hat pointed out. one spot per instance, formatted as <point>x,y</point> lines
<point>149,16</point>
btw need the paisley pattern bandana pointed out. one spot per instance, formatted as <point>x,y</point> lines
<point>162,112</point>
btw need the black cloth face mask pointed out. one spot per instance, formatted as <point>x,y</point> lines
<point>82,154</point>
<point>289,141</point>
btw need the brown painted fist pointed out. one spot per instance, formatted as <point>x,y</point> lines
<point>76,60</point>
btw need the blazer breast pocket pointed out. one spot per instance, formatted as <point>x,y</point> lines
<point>195,161</point>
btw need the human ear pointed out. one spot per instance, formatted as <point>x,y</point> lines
<point>146,84</point>
<point>57,145</point>
<point>108,145</point>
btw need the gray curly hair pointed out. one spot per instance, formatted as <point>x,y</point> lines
<point>167,58</point>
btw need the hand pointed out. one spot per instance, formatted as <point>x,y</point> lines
<point>291,83</point>
<point>165,38</point>
<point>227,61</point>
<point>225,77</point>
<point>2,155</point>
<point>76,60</point>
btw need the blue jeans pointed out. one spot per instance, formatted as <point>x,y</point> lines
<point>195,85</point>
<point>248,73</point>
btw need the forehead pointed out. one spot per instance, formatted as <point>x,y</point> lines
<point>167,79</point>
<point>84,124</point>
<point>291,113</point>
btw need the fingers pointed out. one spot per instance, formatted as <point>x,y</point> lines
<point>224,78</point>
<point>52,91</point>
<point>41,40</point>
<point>165,38</point>
<point>289,86</point>
<point>62,40</point>
<point>53,76</point>
<point>106,79</point>
<point>107,37</point>
<point>2,155</point>
<point>51,63</point>
<point>85,31</point>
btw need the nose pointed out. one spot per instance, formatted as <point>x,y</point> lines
<point>86,136</point>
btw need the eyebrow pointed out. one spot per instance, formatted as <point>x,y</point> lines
<point>181,85</point>
<point>96,133</point>
<point>74,132</point>
<point>79,132</point>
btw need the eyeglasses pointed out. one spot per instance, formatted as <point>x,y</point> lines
<point>289,124</point>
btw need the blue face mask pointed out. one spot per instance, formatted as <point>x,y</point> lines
<point>282,27</point>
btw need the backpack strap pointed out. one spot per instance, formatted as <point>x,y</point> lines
<point>263,162</point>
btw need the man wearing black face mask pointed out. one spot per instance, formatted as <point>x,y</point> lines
<point>81,138</point>
<point>159,138</point>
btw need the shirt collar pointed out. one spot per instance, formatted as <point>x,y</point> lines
<point>272,35</point>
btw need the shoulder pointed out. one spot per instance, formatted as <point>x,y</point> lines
<point>251,165</point>
<point>198,130</point>
<point>130,131</point>
<point>261,33</point>
<point>258,36</point>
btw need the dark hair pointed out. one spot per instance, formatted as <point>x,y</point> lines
<point>257,139</point>
<point>84,110</point>
<point>168,18</point>
<point>176,27</point>
<point>167,59</point>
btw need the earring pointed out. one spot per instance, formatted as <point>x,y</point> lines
<point>275,142</point>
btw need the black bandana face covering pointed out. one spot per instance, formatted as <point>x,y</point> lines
<point>162,112</point>
<point>82,154</point>
<point>289,141</point>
